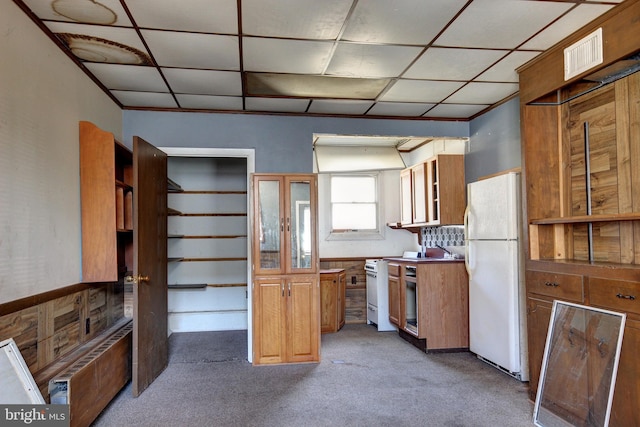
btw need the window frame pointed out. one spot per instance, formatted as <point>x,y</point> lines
<point>378,233</point>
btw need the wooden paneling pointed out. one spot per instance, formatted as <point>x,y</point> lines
<point>56,325</point>
<point>621,34</point>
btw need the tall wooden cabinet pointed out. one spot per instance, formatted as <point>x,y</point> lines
<point>106,191</point>
<point>286,285</point>
<point>581,163</point>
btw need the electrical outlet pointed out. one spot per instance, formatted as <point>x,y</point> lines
<point>87,326</point>
<point>354,280</point>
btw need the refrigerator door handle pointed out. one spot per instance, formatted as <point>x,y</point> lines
<point>466,241</point>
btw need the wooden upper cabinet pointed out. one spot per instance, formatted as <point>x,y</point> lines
<point>434,192</point>
<point>106,194</point>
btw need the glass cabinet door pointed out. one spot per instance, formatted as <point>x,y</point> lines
<point>301,224</point>
<point>269,224</point>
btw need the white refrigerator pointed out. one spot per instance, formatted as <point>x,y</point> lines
<point>494,261</point>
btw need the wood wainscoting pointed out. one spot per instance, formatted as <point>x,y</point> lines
<point>356,300</point>
<point>48,326</point>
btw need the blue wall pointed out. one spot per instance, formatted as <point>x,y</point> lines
<point>494,143</point>
<point>282,143</point>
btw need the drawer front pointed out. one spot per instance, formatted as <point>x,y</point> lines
<point>557,286</point>
<point>616,295</point>
<point>394,270</point>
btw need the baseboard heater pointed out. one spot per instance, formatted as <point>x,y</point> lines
<point>90,383</point>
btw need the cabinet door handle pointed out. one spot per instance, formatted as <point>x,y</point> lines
<point>553,284</point>
<point>629,297</point>
<point>289,288</point>
<point>281,224</point>
<point>282,287</point>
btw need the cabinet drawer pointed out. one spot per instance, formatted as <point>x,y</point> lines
<point>394,270</point>
<point>616,295</point>
<point>557,286</point>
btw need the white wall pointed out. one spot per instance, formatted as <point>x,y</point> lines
<point>43,95</point>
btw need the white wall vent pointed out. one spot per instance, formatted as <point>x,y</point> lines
<point>583,55</point>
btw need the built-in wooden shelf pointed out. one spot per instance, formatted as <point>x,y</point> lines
<point>587,218</point>
<point>173,212</point>
<point>173,187</point>
<point>203,214</point>
<point>205,285</point>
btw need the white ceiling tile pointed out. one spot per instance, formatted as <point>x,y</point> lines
<point>285,56</point>
<point>408,109</point>
<point>406,22</point>
<point>105,12</point>
<point>128,77</point>
<point>308,19</point>
<point>483,93</point>
<point>206,82</point>
<point>213,16</point>
<point>125,36</point>
<point>505,70</point>
<point>420,91</point>
<point>327,106</point>
<point>566,25</point>
<point>500,23</point>
<point>455,110</point>
<point>276,104</point>
<point>172,49</point>
<point>210,102</point>
<point>453,64</point>
<point>366,60</point>
<point>145,99</point>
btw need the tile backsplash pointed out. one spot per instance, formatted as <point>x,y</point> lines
<point>451,235</point>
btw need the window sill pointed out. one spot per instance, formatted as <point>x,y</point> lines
<point>356,235</point>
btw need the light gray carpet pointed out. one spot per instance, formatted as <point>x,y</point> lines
<point>365,378</point>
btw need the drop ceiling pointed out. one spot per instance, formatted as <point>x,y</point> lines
<point>413,59</point>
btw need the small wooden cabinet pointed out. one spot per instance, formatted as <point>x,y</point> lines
<point>286,285</point>
<point>433,192</point>
<point>106,193</point>
<point>333,287</point>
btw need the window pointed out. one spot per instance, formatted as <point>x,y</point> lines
<point>354,205</point>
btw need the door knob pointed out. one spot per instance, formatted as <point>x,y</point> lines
<point>136,279</point>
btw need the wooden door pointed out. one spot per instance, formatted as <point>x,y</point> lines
<point>394,300</point>
<point>303,318</point>
<point>406,199</point>
<point>150,344</point>
<point>419,193</point>
<point>269,311</point>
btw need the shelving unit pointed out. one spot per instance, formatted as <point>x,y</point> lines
<point>581,162</point>
<point>207,244</point>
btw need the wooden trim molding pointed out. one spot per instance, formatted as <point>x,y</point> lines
<point>30,301</point>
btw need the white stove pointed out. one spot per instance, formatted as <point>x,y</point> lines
<point>378,294</point>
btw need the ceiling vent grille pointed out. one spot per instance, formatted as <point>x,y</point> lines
<point>583,55</point>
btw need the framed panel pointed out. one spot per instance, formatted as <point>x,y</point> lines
<point>579,366</point>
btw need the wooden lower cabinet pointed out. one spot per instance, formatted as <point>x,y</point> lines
<point>286,321</point>
<point>543,288</point>
<point>333,288</point>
